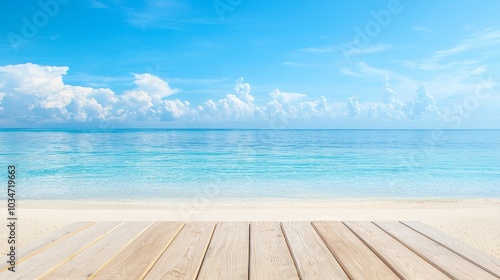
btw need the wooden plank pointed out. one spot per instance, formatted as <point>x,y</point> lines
<point>43,243</point>
<point>451,263</point>
<point>227,255</point>
<point>472,254</point>
<point>60,252</point>
<point>89,261</point>
<point>182,259</point>
<point>357,260</point>
<point>403,261</point>
<point>140,255</point>
<point>270,257</point>
<point>323,250</point>
<point>312,257</point>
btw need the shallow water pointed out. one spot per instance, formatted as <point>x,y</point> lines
<point>156,164</point>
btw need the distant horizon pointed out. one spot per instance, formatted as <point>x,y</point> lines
<point>148,164</point>
<point>243,129</point>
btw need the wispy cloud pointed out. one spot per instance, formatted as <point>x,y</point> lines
<point>349,72</point>
<point>155,13</point>
<point>488,34</point>
<point>449,52</point>
<point>297,64</point>
<point>319,49</point>
<point>168,14</point>
<point>370,49</point>
<point>375,48</point>
<point>364,70</point>
<point>95,4</point>
<point>434,65</point>
<point>479,70</point>
<point>420,28</point>
<point>465,53</point>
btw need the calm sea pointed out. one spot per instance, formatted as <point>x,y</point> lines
<point>158,164</point>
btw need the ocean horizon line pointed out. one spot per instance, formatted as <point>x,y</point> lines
<point>245,129</point>
<point>135,163</point>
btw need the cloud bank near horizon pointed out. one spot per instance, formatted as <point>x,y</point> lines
<point>36,94</point>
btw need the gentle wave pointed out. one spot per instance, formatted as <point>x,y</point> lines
<point>146,164</point>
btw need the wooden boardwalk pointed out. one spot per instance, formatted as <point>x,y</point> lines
<point>255,250</point>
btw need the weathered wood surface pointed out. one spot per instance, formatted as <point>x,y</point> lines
<point>251,250</point>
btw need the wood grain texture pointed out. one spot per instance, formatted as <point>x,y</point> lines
<point>481,259</point>
<point>259,250</point>
<point>270,257</point>
<point>39,245</point>
<point>357,260</point>
<point>61,252</point>
<point>311,255</point>
<point>403,261</point>
<point>137,259</point>
<point>89,261</point>
<point>227,255</point>
<point>449,262</point>
<point>182,259</point>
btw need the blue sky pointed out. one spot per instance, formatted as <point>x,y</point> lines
<point>250,64</point>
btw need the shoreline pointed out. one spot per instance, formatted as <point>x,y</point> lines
<point>214,203</point>
<point>473,221</point>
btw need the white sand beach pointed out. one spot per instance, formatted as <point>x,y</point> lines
<point>475,222</point>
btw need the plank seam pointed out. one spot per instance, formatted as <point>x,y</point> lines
<point>274,236</point>
<point>248,254</point>
<point>450,249</point>
<point>291,252</point>
<point>384,260</point>
<point>51,244</point>
<point>416,252</point>
<point>155,260</point>
<point>333,253</point>
<point>206,250</point>
<point>91,276</point>
<point>249,247</point>
<point>70,257</point>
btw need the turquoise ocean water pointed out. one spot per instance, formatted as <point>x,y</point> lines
<point>159,164</point>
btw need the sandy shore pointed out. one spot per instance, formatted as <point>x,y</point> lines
<point>475,222</point>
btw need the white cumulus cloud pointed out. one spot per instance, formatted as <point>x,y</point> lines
<point>237,106</point>
<point>154,86</point>
<point>353,109</point>
<point>423,104</point>
<point>37,94</point>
